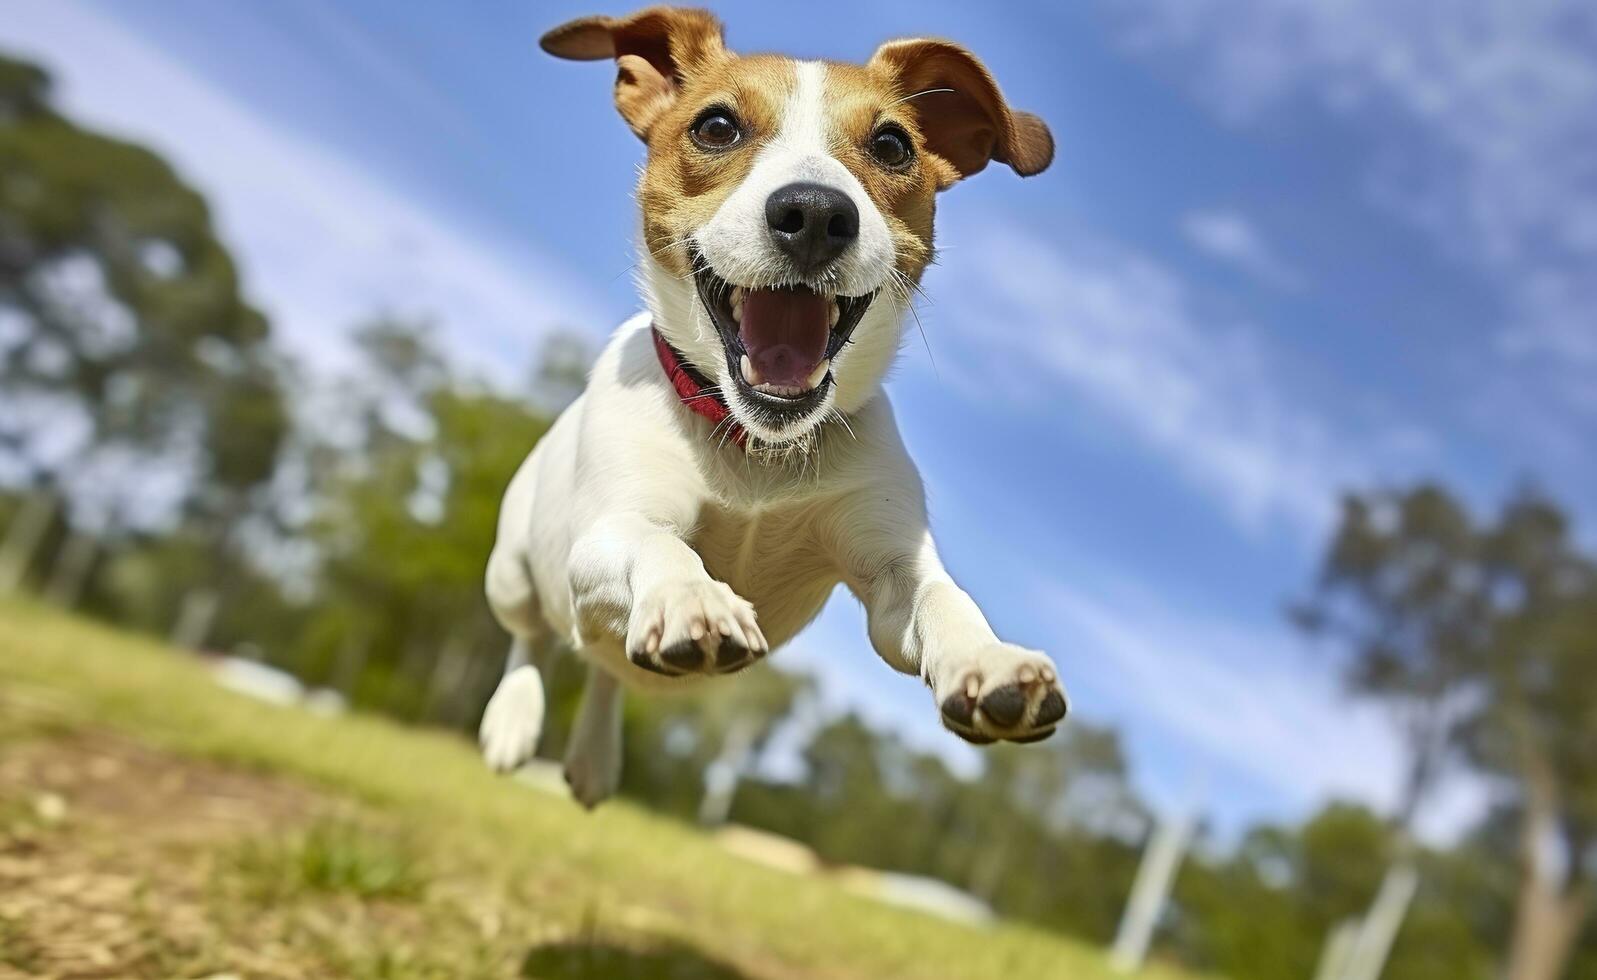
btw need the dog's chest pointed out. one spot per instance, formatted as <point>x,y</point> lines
<point>773,557</point>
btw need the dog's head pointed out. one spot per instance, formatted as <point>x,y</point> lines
<point>787,205</point>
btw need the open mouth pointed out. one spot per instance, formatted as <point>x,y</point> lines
<point>780,340</point>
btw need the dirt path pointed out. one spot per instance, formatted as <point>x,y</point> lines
<point>108,858</point>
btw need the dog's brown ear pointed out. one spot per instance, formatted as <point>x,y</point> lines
<point>655,50</point>
<point>962,114</point>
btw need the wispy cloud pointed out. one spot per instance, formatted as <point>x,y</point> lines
<point>1248,699</point>
<point>1230,237</point>
<point>1089,319</point>
<point>1483,112</point>
<point>322,242</point>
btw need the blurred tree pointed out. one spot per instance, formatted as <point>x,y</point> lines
<point>1485,638</point>
<point>125,326</point>
<point>406,500</point>
<point>1395,589</point>
<point>1535,726</point>
<point>246,429</point>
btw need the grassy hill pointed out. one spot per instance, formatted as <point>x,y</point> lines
<point>153,824</point>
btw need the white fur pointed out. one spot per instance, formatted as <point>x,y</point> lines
<point>513,720</point>
<point>633,525</point>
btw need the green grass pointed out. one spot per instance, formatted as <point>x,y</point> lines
<point>335,856</point>
<point>412,860</point>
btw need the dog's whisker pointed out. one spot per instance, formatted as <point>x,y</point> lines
<point>844,419</point>
<point>926,341</point>
<point>717,428</point>
<point>916,95</point>
<point>912,284</point>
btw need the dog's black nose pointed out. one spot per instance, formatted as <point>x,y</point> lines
<point>812,223</point>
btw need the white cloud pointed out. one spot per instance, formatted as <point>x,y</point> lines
<point>1126,336</point>
<point>322,243</point>
<point>1484,114</point>
<point>1230,237</point>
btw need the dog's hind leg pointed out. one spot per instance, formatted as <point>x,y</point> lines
<point>593,757</point>
<point>513,719</point>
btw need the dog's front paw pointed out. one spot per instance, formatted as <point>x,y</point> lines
<point>694,628</point>
<point>1001,692</point>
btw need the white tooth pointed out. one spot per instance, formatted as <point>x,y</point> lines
<point>819,374</point>
<point>837,313</point>
<point>737,310</point>
<point>749,374</point>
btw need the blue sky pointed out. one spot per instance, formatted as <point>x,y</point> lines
<point>1284,249</point>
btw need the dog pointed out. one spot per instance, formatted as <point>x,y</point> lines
<point>733,457</point>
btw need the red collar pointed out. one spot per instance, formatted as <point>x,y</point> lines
<point>691,388</point>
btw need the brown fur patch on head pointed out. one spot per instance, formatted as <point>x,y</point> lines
<point>683,185</point>
<point>963,116</point>
<point>656,51</point>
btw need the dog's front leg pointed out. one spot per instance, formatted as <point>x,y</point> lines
<point>922,623</point>
<point>635,580</point>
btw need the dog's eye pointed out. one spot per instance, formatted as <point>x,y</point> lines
<point>715,129</point>
<point>891,147</point>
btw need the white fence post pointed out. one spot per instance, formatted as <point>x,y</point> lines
<point>1150,890</point>
<point>1379,929</point>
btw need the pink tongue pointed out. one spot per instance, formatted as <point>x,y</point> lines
<point>785,333</point>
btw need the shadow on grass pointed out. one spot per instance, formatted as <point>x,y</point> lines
<point>597,959</point>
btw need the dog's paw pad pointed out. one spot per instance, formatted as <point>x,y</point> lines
<point>694,628</point>
<point>1005,706</point>
<point>731,656</point>
<point>683,658</point>
<point>959,708</point>
<point>1052,708</point>
<point>1003,692</point>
